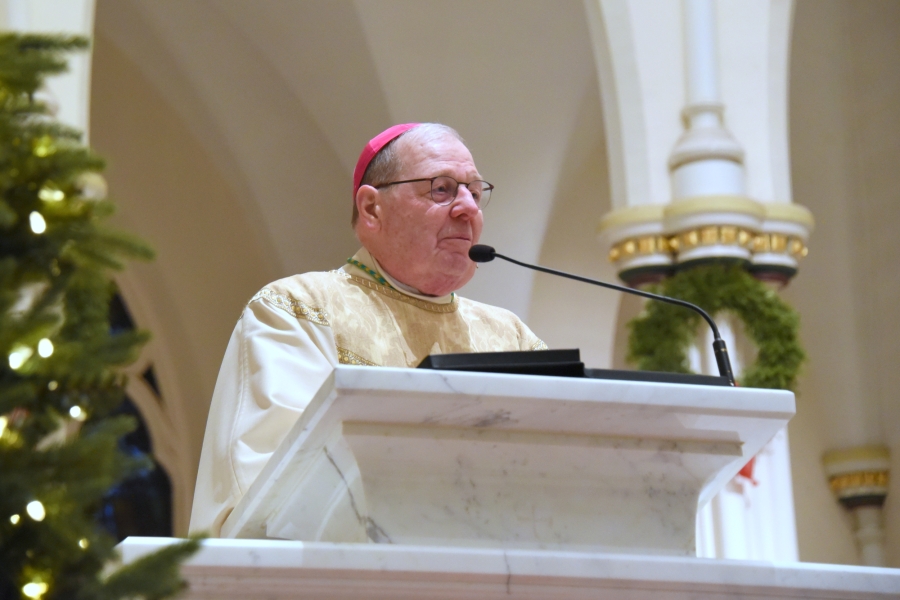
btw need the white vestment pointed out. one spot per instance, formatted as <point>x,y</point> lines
<point>290,337</point>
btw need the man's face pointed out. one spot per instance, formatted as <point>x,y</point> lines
<point>422,244</point>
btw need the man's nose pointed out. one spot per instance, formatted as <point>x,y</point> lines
<point>464,204</point>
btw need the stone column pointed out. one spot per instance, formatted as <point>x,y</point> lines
<point>710,215</point>
<point>725,199</point>
<point>859,478</point>
<point>694,181</point>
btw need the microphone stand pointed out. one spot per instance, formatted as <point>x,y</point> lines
<point>482,253</point>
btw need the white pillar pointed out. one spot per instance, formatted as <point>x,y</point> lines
<point>707,160</point>
<point>733,199</point>
<point>859,477</point>
<point>681,192</point>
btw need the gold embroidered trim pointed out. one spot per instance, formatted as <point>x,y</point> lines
<point>345,357</point>
<point>392,293</point>
<point>293,306</point>
<point>540,345</point>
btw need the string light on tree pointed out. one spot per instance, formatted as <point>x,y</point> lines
<point>44,146</point>
<point>92,186</point>
<point>45,348</point>
<point>36,510</point>
<point>37,222</point>
<point>35,589</point>
<point>61,282</point>
<point>18,357</point>
<point>51,193</point>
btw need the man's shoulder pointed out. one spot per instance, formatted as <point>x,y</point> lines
<point>305,295</point>
<point>309,284</point>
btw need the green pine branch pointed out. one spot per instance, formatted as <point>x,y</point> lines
<point>60,365</point>
<point>661,335</point>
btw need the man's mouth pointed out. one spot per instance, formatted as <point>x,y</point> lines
<point>461,236</point>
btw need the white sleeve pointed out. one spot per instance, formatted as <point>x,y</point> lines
<point>274,364</point>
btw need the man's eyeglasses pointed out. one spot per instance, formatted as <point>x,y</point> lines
<point>444,189</point>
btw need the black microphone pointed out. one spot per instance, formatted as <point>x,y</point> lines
<point>481,253</point>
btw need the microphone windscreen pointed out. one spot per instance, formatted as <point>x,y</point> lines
<point>481,253</point>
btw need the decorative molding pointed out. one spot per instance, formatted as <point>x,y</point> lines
<point>646,241</point>
<point>714,204</point>
<point>790,213</point>
<point>705,143</point>
<point>724,235</point>
<point>866,483</point>
<point>645,245</point>
<point>637,244</point>
<point>712,235</point>
<point>630,215</point>
<point>779,244</point>
<point>835,459</point>
<point>859,477</point>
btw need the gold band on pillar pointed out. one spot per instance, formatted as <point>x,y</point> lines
<point>769,237</point>
<point>645,245</point>
<point>726,235</point>
<point>858,476</point>
<point>776,242</point>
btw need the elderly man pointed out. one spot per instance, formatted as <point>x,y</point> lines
<point>417,210</point>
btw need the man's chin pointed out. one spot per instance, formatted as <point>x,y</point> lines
<point>453,275</point>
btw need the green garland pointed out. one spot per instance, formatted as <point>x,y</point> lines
<point>661,335</point>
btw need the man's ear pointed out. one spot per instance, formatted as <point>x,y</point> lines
<point>368,205</point>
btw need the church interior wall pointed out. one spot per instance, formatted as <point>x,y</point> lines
<point>845,127</point>
<point>171,195</point>
<point>569,314</point>
<point>230,147</point>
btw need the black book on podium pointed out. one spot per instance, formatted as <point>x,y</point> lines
<point>559,363</point>
<point>556,363</point>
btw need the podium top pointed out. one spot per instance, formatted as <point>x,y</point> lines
<point>558,404</point>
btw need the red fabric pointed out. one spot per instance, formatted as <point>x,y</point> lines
<point>747,471</point>
<point>375,144</point>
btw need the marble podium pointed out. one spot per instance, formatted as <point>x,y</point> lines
<point>405,484</point>
<point>438,458</point>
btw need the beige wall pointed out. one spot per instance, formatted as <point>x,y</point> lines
<point>569,314</point>
<point>208,263</point>
<point>845,139</point>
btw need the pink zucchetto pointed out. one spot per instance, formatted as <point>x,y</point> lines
<point>373,147</point>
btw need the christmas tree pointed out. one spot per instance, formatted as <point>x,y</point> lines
<point>59,362</point>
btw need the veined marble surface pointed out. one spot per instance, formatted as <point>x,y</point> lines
<point>483,460</point>
<point>277,570</point>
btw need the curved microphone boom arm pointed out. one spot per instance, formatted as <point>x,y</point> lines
<point>482,253</point>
